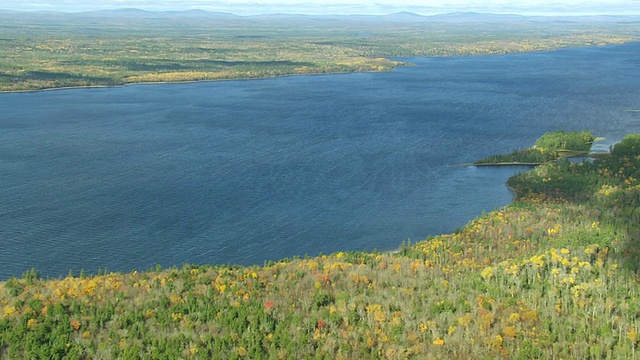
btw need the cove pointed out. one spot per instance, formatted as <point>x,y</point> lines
<point>240,172</point>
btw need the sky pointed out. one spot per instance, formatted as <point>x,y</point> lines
<point>424,7</point>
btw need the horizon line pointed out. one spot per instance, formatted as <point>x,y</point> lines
<point>408,12</point>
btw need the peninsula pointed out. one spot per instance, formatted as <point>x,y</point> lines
<point>550,147</point>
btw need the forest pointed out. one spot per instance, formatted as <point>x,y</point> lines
<point>106,48</point>
<point>553,275</point>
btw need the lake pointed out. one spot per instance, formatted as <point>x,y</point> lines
<point>241,172</point>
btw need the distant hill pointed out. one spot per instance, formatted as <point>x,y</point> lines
<point>397,17</point>
<point>138,13</point>
<point>476,17</point>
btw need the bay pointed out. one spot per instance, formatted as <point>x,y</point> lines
<point>240,172</point>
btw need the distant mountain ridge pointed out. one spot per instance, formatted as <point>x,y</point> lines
<point>133,12</point>
<point>402,16</point>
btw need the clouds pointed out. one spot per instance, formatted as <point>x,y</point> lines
<point>341,6</point>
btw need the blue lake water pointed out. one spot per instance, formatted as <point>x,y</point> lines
<point>246,171</point>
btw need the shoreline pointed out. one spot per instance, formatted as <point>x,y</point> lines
<point>513,192</point>
<point>399,64</point>
<point>198,81</point>
<point>497,164</point>
<point>399,249</point>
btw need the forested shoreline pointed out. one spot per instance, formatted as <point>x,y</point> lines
<point>63,50</point>
<point>553,275</point>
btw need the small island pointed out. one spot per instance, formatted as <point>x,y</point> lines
<point>548,148</point>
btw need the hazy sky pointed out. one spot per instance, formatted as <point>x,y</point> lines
<point>426,7</point>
